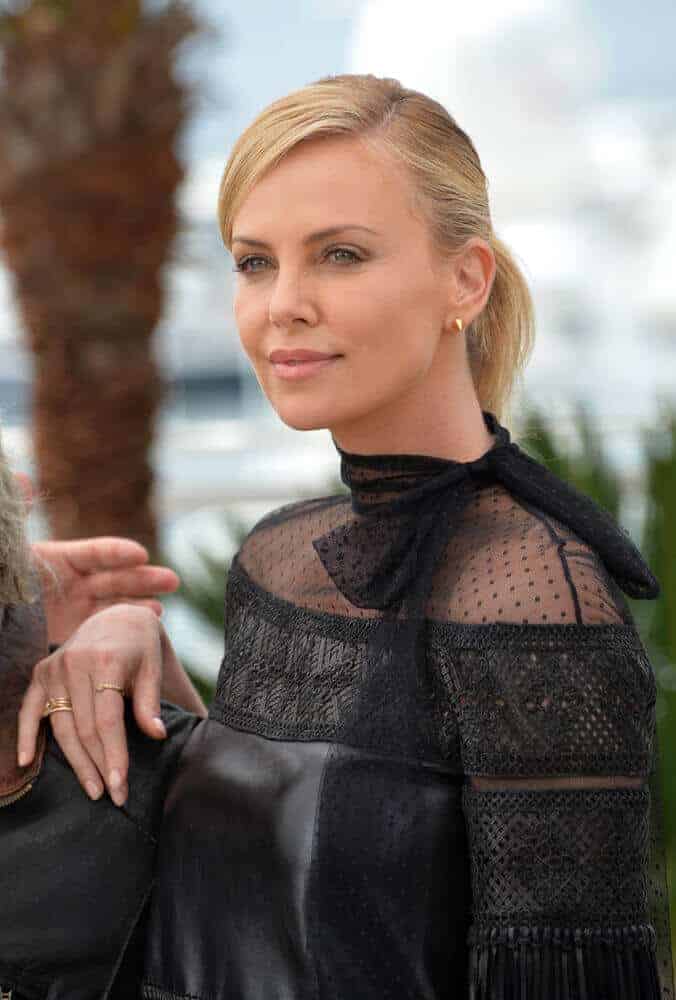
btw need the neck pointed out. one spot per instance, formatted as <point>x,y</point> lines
<point>443,421</point>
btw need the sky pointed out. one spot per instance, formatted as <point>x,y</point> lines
<point>571,104</point>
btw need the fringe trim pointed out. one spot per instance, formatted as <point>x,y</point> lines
<point>151,992</point>
<point>563,963</point>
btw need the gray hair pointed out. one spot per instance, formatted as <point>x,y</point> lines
<point>17,582</point>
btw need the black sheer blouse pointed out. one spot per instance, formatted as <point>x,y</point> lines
<point>426,770</point>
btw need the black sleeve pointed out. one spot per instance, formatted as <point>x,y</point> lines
<point>557,743</point>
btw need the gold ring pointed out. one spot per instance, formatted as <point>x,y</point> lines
<point>57,705</point>
<point>106,686</point>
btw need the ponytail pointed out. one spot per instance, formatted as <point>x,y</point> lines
<point>501,338</point>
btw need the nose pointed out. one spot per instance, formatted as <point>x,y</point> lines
<point>291,300</point>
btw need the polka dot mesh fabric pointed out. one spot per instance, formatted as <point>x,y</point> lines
<point>474,614</point>
<point>503,563</point>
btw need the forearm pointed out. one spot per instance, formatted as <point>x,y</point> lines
<point>176,685</point>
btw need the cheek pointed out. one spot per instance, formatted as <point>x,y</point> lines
<point>248,309</point>
<point>367,316</point>
<point>396,339</point>
<point>395,327</point>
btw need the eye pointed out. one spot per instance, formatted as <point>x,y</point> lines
<point>251,264</point>
<point>343,255</point>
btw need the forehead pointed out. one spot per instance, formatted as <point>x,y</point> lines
<point>325,182</point>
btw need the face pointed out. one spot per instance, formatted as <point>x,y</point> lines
<point>341,296</point>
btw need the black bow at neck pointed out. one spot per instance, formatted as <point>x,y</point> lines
<point>406,508</point>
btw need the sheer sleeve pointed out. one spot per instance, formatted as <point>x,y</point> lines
<point>556,727</point>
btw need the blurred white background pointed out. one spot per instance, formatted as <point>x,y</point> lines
<point>572,107</point>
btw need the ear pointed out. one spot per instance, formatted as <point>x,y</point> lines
<point>472,277</point>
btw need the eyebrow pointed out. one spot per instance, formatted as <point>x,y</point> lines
<point>321,234</point>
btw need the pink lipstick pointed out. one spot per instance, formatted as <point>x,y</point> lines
<point>299,363</point>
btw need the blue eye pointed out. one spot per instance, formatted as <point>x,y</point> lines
<point>251,264</point>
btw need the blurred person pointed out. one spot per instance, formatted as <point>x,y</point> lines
<point>75,872</point>
<point>426,768</point>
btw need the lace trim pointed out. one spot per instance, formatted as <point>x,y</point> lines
<point>292,673</point>
<point>567,857</point>
<point>531,711</point>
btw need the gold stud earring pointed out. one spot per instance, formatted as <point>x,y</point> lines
<point>458,324</point>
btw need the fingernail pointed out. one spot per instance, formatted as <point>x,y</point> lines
<point>119,795</point>
<point>23,758</point>
<point>93,790</point>
<point>115,779</point>
<point>159,726</point>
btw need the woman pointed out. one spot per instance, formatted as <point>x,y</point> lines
<point>75,873</point>
<point>425,770</point>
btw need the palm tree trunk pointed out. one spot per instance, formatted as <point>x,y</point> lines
<point>89,112</point>
<point>86,244</point>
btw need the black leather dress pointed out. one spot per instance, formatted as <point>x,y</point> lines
<point>425,773</point>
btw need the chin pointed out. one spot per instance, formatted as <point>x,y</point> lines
<point>308,414</point>
<point>303,421</point>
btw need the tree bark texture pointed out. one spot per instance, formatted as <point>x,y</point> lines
<point>86,244</point>
<point>89,114</point>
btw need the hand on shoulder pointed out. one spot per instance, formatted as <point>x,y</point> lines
<point>122,647</point>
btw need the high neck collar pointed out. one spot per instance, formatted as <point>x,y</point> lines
<point>384,480</point>
<point>411,503</point>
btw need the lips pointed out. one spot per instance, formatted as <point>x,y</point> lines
<point>300,364</point>
<point>298,355</point>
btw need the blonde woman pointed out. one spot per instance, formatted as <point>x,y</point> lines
<point>425,770</point>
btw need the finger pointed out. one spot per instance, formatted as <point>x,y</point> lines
<point>140,581</point>
<point>50,676</point>
<point>84,716</point>
<point>154,606</point>
<point>109,711</point>
<point>89,554</point>
<point>146,695</point>
<point>86,771</point>
<point>30,717</point>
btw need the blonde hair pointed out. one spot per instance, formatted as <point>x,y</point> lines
<point>448,179</point>
<point>17,580</point>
